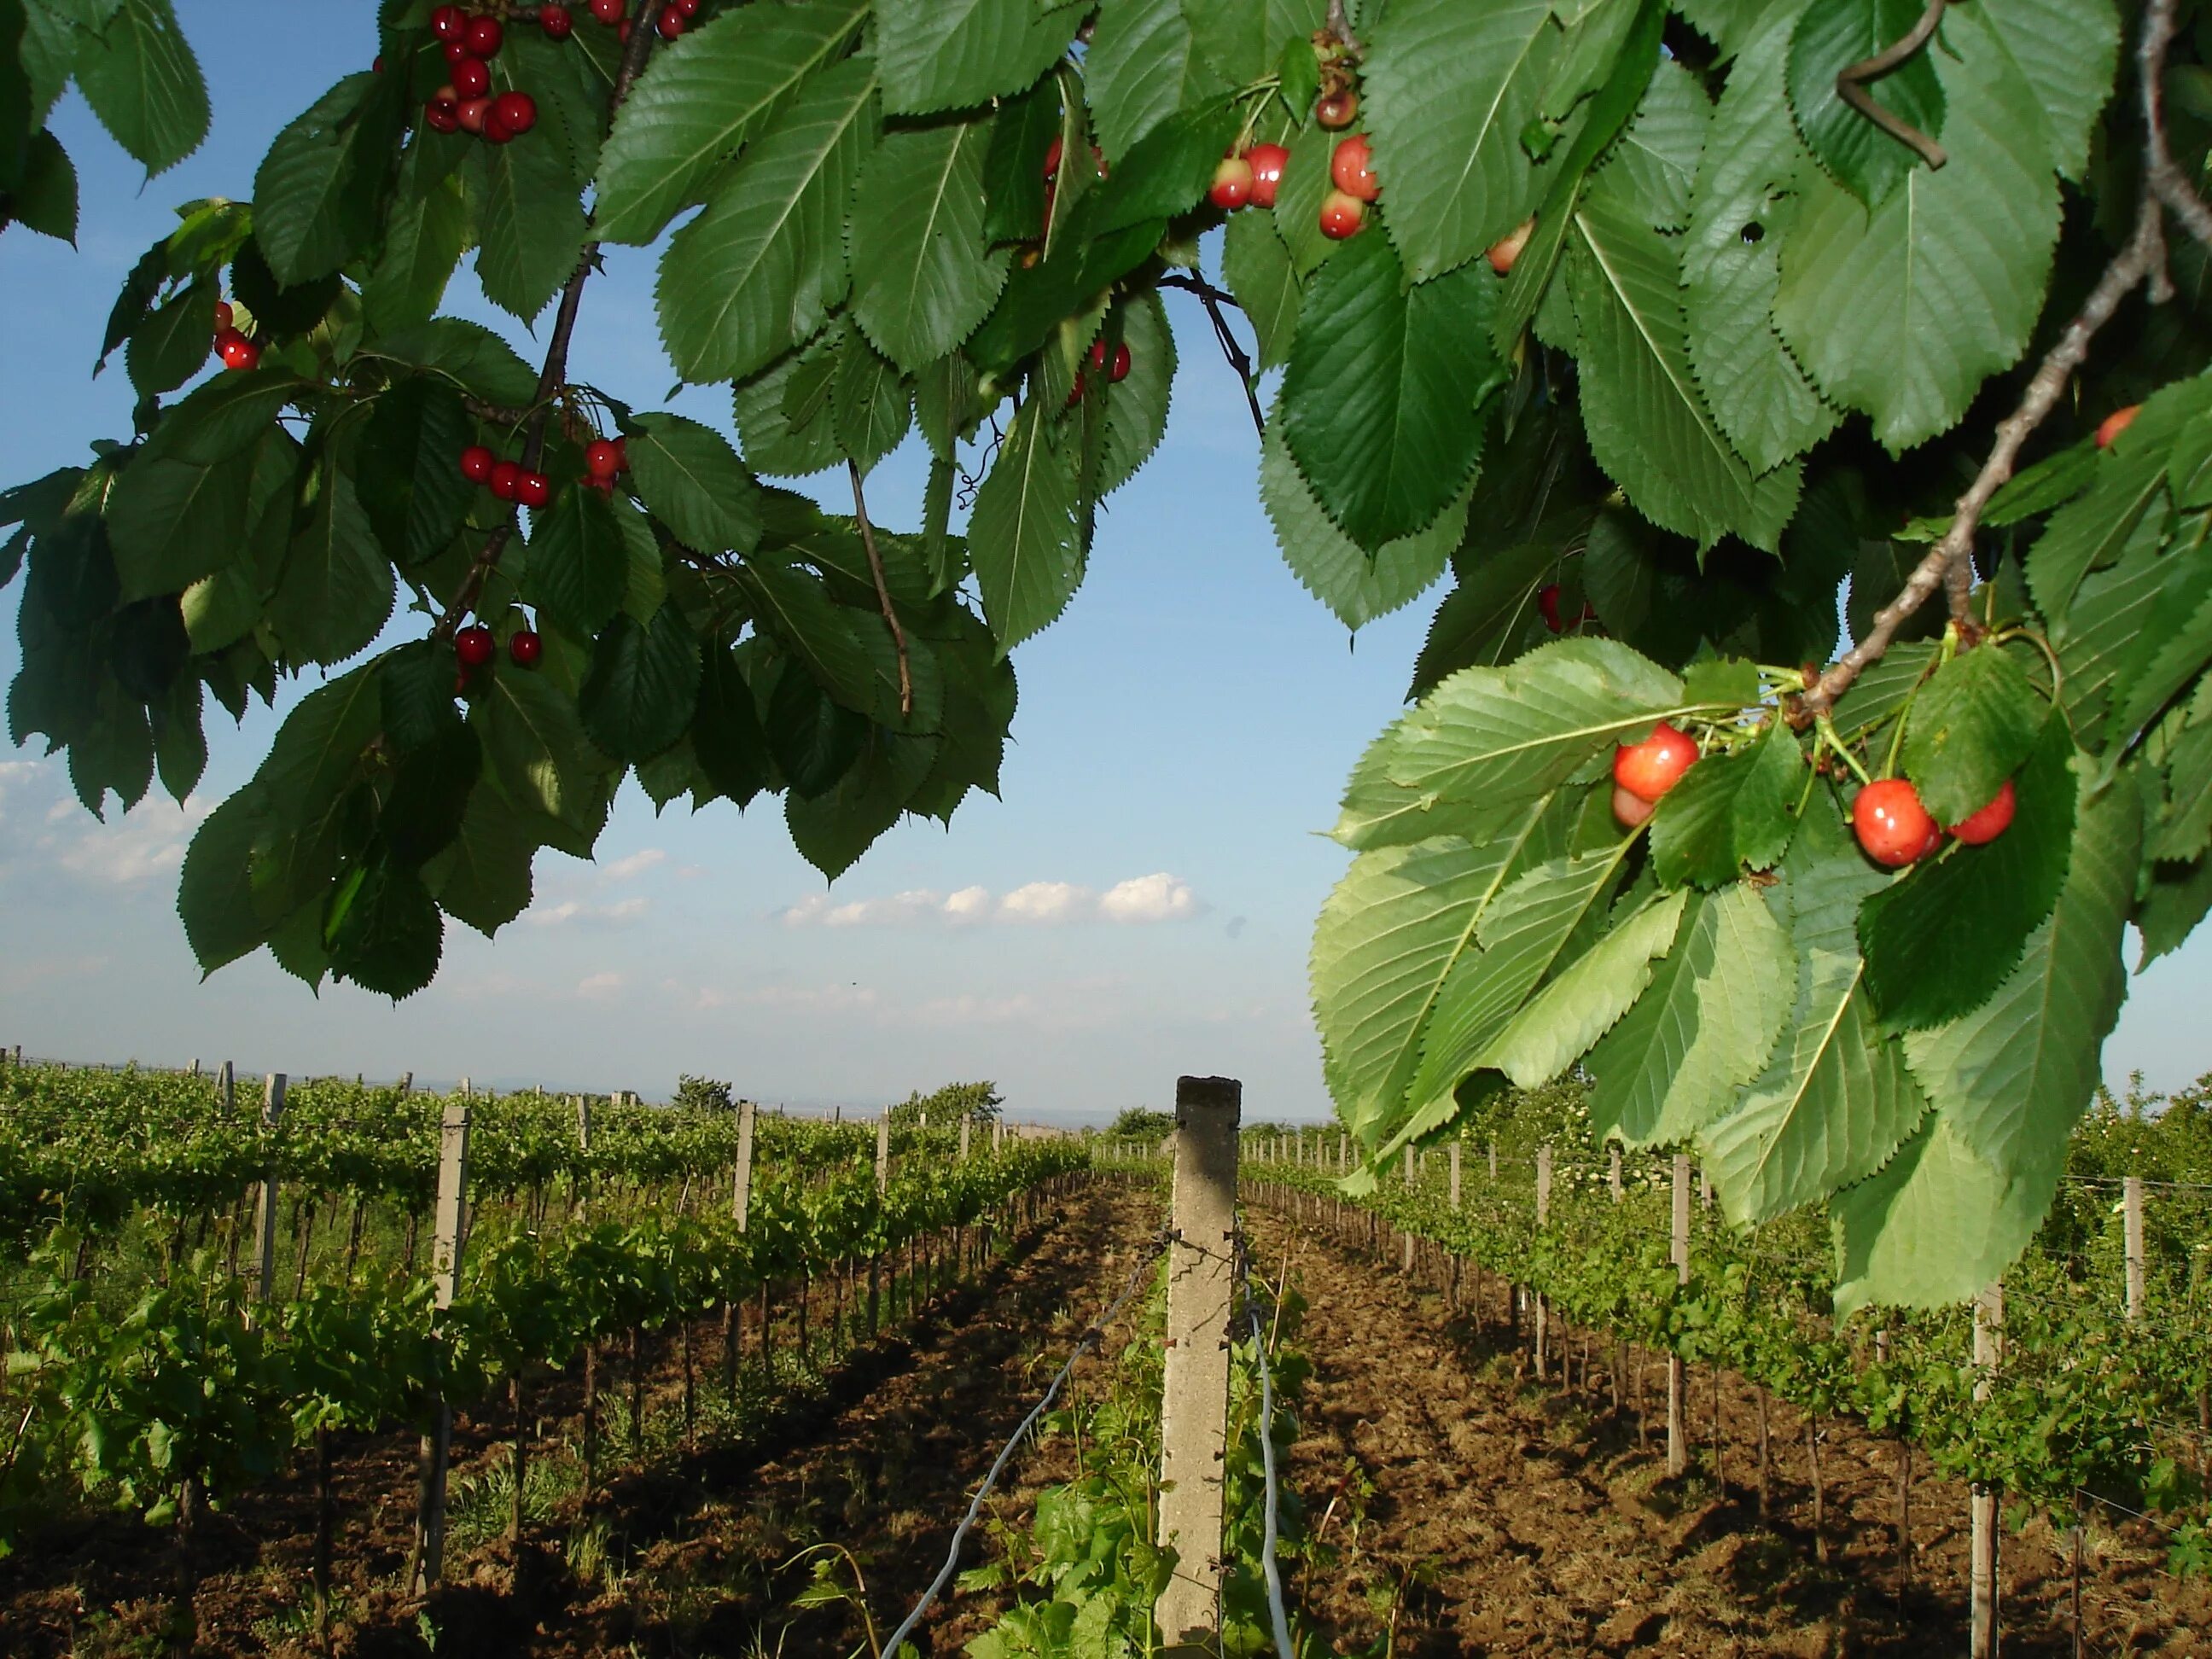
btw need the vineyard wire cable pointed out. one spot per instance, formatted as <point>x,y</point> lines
<point>1092,1334</point>
<point>1274,1574</point>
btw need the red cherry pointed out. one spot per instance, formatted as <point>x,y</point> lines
<point>1891,824</point>
<point>607,11</point>
<point>1120,370</point>
<point>1650,768</point>
<point>472,113</point>
<point>1348,166</point>
<point>2115,423</point>
<point>602,458</point>
<point>495,131</point>
<point>441,115</point>
<point>1341,215</point>
<point>473,646</point>
<point>555,21</point>
<point>449,23</point>
<point>604,486</point>
<point>1267,161</point>
<point>671,24</point>
<point>470,79</point>
<point>1075,391</point>
<point>224,316</point>
<point>453,51</point>
<point>533,489</point>
<point>1338,111</point>
<point>460,682</point>
<point>689,7</point>
<point>1980,828</point>
<point>238,351</point>
<point>1548,601</point>
<point>1507,248</point>
<point>505,480</point>
<point>621,31</point>
<point>1630,808</point>
<point>516,111</point>
<point>486,36</point>
<point>476,464</point>
<point>376,64</point>
<point>1052,158</point>
<point>523,647</point>
<point>1232,183</point>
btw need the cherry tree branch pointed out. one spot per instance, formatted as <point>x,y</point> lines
<point>883,589</point>
<point>555,374</point>
<point>1213,299</point>
<point>1339,27</point>
<point>2161,173</point>
<point>1953,552</point>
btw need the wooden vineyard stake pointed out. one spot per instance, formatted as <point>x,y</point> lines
<point>265,1210</point>
<point>1543,1218</point>
<point>227,1083</point>
<point>965,1125</point>
<point>883,1186</point>
<point>1195,1389</point>
<point>576,1199</point>
<point>1613,1172</point>
<point>2131,1220</point>
<point>1989,1354</point>
<point>741,1202</point>
<point>447,1241</point>
<point>1678,1448</point>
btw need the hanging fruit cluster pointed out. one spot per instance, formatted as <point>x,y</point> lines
<point>465,103</point>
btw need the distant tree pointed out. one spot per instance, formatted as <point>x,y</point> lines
<point>1143,1120</point>
<point>708,1094</point>
<point>978,1102</point>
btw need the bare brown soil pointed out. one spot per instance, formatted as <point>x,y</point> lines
<point>689,1551</point>
<point>1471,1509</point>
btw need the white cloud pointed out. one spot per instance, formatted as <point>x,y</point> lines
<point>634,864</point>
<point>1156,897</point>
<point>575,910</point>
<point>131,848</point>
<point>599,987</point>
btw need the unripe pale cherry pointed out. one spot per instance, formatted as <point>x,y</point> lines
<point>1507,248</point>
<point>472,113</point>
<point>1338,111</point>
<point>1348,166</point>
<point>1630,808</point>
<point>1232,183</point>
<point>1341,215</point>
<point>1267,163</point>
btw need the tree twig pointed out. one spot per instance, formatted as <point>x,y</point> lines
<point>1851,88</point>
<point>883,589</point>
<point>1213,299</point>
<point>555,374</point>
<point>1340,25</point>
<point>2160,173</point>
<point>2133,264</point>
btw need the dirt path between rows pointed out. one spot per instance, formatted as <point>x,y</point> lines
<point>690,1552</point>
<point>1470,1510</point>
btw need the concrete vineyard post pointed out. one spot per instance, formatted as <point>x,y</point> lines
<point>228,1084</point>
<point>447,1241</point>
<point>1194,1387</point>
<point>1343,1153</point>
<point>883,1186</point>
<point>1678,1448</point>
<point>1454,1175</point>
<point>265,1214</point>
<point>1613,1171</point>
<point>741,1184</point>
<point>1989,1354</point>
<point>965,1125</point>
<point>2131,1221</point>
<point>1493,1160</point>
<point>576,1198</point>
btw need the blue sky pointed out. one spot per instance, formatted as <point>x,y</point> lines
<point>1183,733</point>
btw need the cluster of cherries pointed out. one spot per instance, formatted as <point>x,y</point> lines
<point>1119,371</point>
<point>474,647</point>
<point>236,350</point>
<point>507,480</point>
<point>1894,826</point>
<point>604,460</point>
<point>465,103</point>
<point>674,17</point>
<point>1250,177</point>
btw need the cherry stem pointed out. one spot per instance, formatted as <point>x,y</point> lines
<point>883,589</point>
<point>1213,299</point>
<point>1835,742</point>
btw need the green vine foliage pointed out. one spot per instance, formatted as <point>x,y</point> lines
<point>1752,347</point>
